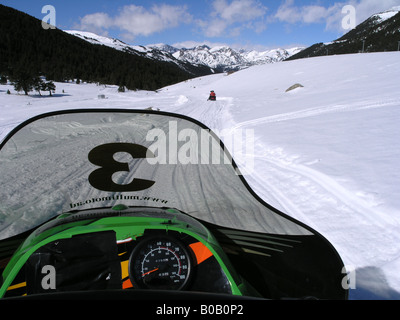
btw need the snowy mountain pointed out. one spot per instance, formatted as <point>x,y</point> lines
<point>379,33</point>
<point>221,58</point>
<point>226,58</point>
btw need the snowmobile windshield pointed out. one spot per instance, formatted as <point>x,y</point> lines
<point>76,160</point>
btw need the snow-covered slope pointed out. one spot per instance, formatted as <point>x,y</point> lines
<point>385,15</point>
<point>221,57</point>
<point>149,52</point>
<point>101,40</point>
<point>326,153</point>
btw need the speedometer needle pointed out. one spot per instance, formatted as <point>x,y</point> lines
<point>148,272</point>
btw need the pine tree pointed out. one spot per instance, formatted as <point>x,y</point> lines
<point>50,87</point>
<point>38,84</point>
<point>23,82</point>
<point>3,79</point>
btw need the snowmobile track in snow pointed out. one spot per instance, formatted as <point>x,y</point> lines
<point>313,192</point>
<point>312,112</point>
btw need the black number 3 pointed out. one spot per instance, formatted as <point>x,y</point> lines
<point>102,156</point>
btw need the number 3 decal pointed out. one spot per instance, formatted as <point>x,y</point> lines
<point>102,156</point>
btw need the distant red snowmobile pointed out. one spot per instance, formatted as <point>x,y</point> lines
<point>212,96</point>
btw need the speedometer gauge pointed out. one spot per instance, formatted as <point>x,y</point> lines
<point>160,263</point>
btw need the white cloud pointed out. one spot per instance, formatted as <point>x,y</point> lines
<point>238,11</point>
<point>290,13</point>
<point>136,20</point>
<point>230,18</point>
<point>139,21</point>
<point>96,22</point>
<point>287,12</point>
<point>313,14</point>
<point>215,27</point>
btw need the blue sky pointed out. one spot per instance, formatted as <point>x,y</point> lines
<point>250,24</point>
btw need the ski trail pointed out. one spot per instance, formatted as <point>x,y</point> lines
<point>214,114</point>
<point>327,206</point>
<point>312,112</point>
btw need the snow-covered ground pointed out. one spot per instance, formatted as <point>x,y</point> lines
<point>326,153</point>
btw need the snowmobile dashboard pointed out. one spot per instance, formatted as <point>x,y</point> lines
<point>120,248</point>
